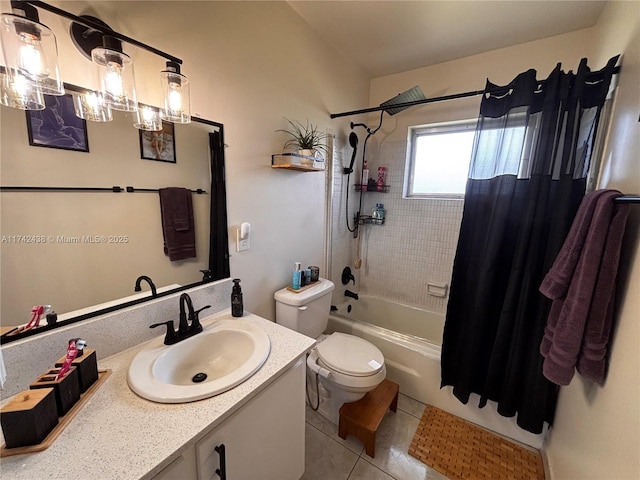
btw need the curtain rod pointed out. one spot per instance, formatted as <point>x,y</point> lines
<point>423,101</point>
<point>114,189</point>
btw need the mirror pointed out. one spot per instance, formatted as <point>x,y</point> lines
<point>75,249</point>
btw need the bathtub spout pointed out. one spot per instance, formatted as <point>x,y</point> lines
<point>349,293</point>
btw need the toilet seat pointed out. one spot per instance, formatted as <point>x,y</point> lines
<point>350,355</point>
<point>348,352</point>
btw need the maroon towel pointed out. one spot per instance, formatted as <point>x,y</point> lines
<point>176,210</point>
<point>581,285</point>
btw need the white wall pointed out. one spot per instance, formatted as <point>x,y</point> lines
<point>250,64</point>
<point>596,433</point>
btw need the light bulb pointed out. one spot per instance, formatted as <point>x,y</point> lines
<point>175,99</point>
<point>31,60</point>
<point>175,94</point>
<point>91,106</point>
<point>148,118</point>
<point>29,49</point>
<point>115,75</point>
<point>113,80</point>
<point>17,91</point>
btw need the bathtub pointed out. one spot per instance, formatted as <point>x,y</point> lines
<point>410,338</point>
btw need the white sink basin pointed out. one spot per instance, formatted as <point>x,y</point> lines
<point>224,355</point>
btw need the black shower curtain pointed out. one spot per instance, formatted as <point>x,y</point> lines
<point>528,172</point>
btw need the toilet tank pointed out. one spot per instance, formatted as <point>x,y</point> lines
<point>306,312</point>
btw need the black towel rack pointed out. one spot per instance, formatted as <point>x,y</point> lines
<point>114,189</point>
<point>627,199</point>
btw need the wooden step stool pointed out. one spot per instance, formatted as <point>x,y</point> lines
<point>362,418</point>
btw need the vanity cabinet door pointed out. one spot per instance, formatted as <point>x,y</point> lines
<point>182,468</point>
<point>264,439</point>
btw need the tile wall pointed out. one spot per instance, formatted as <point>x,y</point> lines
<point>414,247</point>
<point>340,255</point>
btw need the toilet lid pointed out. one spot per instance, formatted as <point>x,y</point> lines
<point>350,355</point>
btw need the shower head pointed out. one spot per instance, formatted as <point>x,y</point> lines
<point>411,95</point>
<point>353,141</point>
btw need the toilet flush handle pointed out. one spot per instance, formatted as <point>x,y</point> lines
<point>303,308</point>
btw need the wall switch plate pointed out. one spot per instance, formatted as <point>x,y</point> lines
<point>242,245</point>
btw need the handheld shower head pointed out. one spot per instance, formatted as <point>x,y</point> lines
<point>353,141</point>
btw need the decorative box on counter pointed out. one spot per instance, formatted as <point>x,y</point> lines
<point>28,418</point>
<point>66,389</point>
<point>87,366</point>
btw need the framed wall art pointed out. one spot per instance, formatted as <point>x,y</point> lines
<point>57,126</point>
<point>160,145</point>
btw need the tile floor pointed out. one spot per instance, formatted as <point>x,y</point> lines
<point>328,457</point>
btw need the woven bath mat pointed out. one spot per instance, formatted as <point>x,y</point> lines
<point>461,450</point>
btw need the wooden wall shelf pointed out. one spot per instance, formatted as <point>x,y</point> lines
<point>295,161</point>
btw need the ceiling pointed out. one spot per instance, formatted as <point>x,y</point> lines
<point>386,37</point>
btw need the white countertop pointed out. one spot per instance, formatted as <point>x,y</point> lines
<point>118,435</point>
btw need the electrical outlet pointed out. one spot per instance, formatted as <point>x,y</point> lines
<point>242,245</point>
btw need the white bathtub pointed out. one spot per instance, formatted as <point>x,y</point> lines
<point>410,339</point>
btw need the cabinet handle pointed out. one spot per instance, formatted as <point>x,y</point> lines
<point>222,471</point>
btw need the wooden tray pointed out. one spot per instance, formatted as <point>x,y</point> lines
<point>63,421</point>
<point>302,289</point>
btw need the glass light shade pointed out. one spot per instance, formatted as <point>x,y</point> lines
<point>148,118</point>
<point>91,106</point>
<point>117,82</point>
<point>31,53</point>
<point>17,92</point>
<point>176,97</point>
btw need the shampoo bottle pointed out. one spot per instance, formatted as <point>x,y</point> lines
<point>365,176</point>
<point>296,280</point>
<point>237,307</point>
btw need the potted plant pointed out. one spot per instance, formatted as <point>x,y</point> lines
<point>306,139</point>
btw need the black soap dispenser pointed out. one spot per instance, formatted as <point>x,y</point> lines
<point>237,307</point>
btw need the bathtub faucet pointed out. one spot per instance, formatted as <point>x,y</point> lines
<point>349,293</point>
<point>347,276</point>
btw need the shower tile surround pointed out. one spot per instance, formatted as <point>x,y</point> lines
<point>107,334</point>
<point>415,246</point>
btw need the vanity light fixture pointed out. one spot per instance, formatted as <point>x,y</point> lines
<point>175,93</point>
<point>91,106</point>
<point>31,56</point>
<point>17,92</point>
<point>31,70</point>
<point>115,74</point>
<point>148,118</point>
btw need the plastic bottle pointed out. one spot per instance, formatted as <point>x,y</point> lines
<point>382,174</point>
<point>365,176</point>
<point>296,279</point>
<point>378,214</point>
<point>237,307</point>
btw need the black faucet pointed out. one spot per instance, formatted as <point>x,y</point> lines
<point>349,293</point>
<point>185,329</point>
<point>138,288</point>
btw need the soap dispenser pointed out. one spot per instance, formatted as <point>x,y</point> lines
<point>237,308</point>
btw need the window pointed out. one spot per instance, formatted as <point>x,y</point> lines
<point>438,160</point>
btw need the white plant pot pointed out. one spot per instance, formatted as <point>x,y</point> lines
<point>307,153</point>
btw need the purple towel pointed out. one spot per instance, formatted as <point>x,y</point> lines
<point>176,210</point>
<point>581,285</point>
